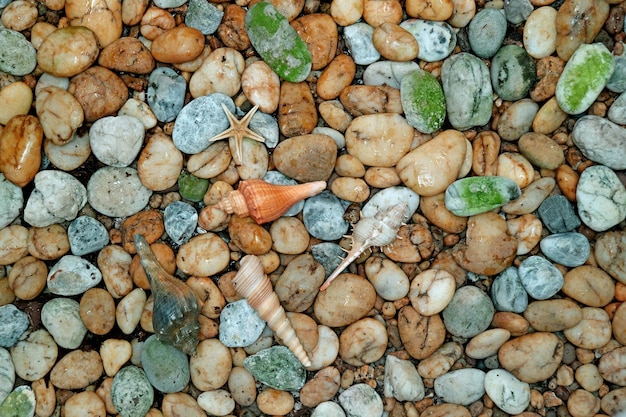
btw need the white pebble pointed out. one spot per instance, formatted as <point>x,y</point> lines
<point>129,309</point>
<point>117,192</point>
<point>327,349</point>
<point>116,140</point>
<point>402,380</point>
<point>508,393</point>
<point>61,318</point>
<point>217,403</point>
<point>72,275</point>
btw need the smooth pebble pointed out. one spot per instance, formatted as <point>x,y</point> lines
<point>7,374</point>
<point>532,357</point>
<point>487,343</point>
<point>240,325</point>
<point>131,392</point>
<point>20,402</point>
<point>512,73</point>
<point>11,201</point>
<point>570,249</point>
<point>402,381</point>
<point>486,32</point>
<point>508,293</point>
<point>323,216</point>
<point>358,38</point>
<point>277,367</point>
<point>180,220</point>
<point>17,56</point>
<point>117,191</point>
<point>37,344</point>
<point>600,198</point>
<point>203,16</point>
<point>166,93</point>
<point>361,400</point>
<point>436,40</point>
<point>557,214</point>
<point>86,235</point>
<point>16,323</point>
<point>508,393</point>
<point>166,367</point>
<point>462,386</point>
<point>61,318</point>
<point>467,298</point>
<point>217,402</point>
<point>601,140</point>
<point>72,275</point>
<point>388,72</point>
<point>539,277</point>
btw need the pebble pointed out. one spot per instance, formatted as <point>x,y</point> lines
<point>203,16</point>
<point>220,73</point>
<point>549,117</point>
<point>20,144</point>
<point>601,141</point>
<point>18,56</point>
<point>250,237</point>
<point>391,196</point>
<point>315,155</point>
<point>487,31</point>
<point>87,235</point>
<point>117,192</point>
<point>211,365</point>
<point>617,111</point>
<point>322,387</point>
<point>539,277</point>
<point>60,114</point>
<point>512,73</point>
<point>240,325</point>
<point>11,201</point>
<point>323,216</point>
<point>467,89</point>
<point>517,119</point>
<point>363,342</point>
<point>166,93</point>
<point>115,353</point>
<point>475,195</point>
<point>177,45</point>
<point>462,386</point>
<point>571,32</point>
<point>180,220</point>
<point>540,32</point>
<point>517,11</point>
<point>350,189</point>
<point>37,344</point>
<point>319,31</point>
<point>611,366</point>
<point>131,392</point>
<point>601,198</point>
<point>77,369</point>
<point>527,229</point>
<point>61,318</point>
<point>218,402</point>
<point>431,291</point>
<point>329,255</point>
<point>570,249</point>
<point>191,187</point>
<point>351,298</point>
<point>116,140</point>
<point>388,73</point>
<point>436,40</point>
<point>541,150</point>
<point>242,386</point>
<point>328,408</point>
<point>395,43</point>
<point>359,100</point>
<point>263,94</point>
<point>402,381</point>
<point>532,357</point>
<point>576,92</point>
<point>588,376</point>
<point>19,98</point>
<point>127,54</point>
<point>16,323</point>
<point>441,361</point>
<point>593,331</point>
<point>507,392</point>
<point>487,343</point>
<point>358,38</point>
<point>278,43</point>
<point>610,255</point>
<point>553,315</point>
<point>84,402</point>
<point>465,299</point>
<point>589,285</point>
<point>423,101</point>
<point>69,156</point>
<point>277,367</point>
<point>361,400</point>
<point>72,275</point>
<point>508,293</point>
<point>327,349</point>
<point>166,367</point>
<point>390,281</point>
<point>294,293</point>
<point>7,374</point>
<point>20,402</point>
<point>617,82</point>
<point>557,214</point>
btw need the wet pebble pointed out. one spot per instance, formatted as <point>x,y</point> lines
<point>61,318</point>
<point>177,45</point>
<point>116,140</point>
<point>60,114</point>
<point>617,82</point>
<point>540,32</point>
<point>326,350</point>
<point>220,72</point>
<point>315,155</point>
<point>508,393</point>
<point>203,16</point>
<point>458,322</point>
<point>69,156</point>
<point>541,150</point>
<point>557,214</point>
<point>589,285</point>
<point>276,367</point>
<point>166,93</point>
<point>390,281</point>
<point>263,94</point>
<point>57,197</point>
<point>517,119</point>
<point>532,357</point>
<point>131,392</point>
<point>87,235</point>
<point>508,293</point>
<point>11,201</point>
<point>166,367</point>
<point>402,381</point>
<point>462,386</point>
<point>540,278</point>
<point>240,325</point>
<point>323,217</point>
<point>431,291</point>
<point>297,294</point>
<point>553,315</point>
<point>387,72</point>
<point>180,220</point>
<point>362,342</point>
<point>518,11</point>
<point>512,73</point>
<point>358,38</point>
<point>127,54</point>
<point>19,98</point>
<point>570,249</point>
<point>115,353</point>
<point>423,101</point>
<point>601,140</point>
<point>361,400</point>
<point>601,198</point>
<point>486,32</point>
<point>16,323</point>
<point>100,92</point>
<point>72,275</point>
<point>117,191</point>
<point>250,237</point>
<point>475,195</point>
<point>37,344</point>
<point>436,40</point>
<point>20,402</point>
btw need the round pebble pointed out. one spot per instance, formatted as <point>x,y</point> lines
<point>431,291</point>
<point>358,38</point>
<point>211,365</point>
<point>240,325</point>
<point>539,277</point>
<point>117,192</point>
<point>463,386</point>
<point>166,367</point>
<point>350,299</point>
<point>217,402</point>
<point>18,56</point>
<point>294,293</point>
<point>116,141</point>
<point>508,293</point>
<point>77,369</point>
<point>61,318</point>
<point>436,40</point>
<point>532,357</point>
<point>486,32</point>
<point>540,32</point>
<point>323,216</point>
<point>512,72</point>
<point>180,220</point>
<point>458,322</point>
<point>87,235</point>
<point>131,392</point>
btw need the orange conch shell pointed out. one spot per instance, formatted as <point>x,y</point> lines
<point>265,202</point>
<point>251,283</point>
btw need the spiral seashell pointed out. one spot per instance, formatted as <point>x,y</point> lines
<point>251,283</point>
<point>176,309</point>
<point>379,230</point>
<point>265,202</point>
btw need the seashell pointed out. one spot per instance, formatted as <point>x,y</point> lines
<point>251,283</point>
<point>379,230</point>
<point>265,202</point>
<point>176,309</point>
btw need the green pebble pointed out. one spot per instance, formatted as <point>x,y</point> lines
<point>191,187</point>
<point>278,43</point>
<point>513,73</point>
<point>423,101</point>
<point>166,367</point>
<point>19,403</point>
<point>475,195</point>
<point>277,367</point>
<point>131,392</point>
<point>17,54</point>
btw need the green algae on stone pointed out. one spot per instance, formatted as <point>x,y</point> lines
<point>131,392</point>
<point>423,101</point>
<point>584,76</point>
<point>277,367</point>
<point>513,73</point>
<point>17,54</point>
<point>19,403</point>
<point>475,195</point>
<point>278,43</point>
<point>191,187</point>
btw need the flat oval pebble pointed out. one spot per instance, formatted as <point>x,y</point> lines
<point>277,367</point>
<point>77,369</point>
<point>37,344</point>
<point>533,357</point>
<point>16,323</point>
<point>601,198</point>
<point>11,201</point>
<point>87,235</point>
<point>508,293</point>
<point>593,331</point>
<point>512,72</point>
<point>475,195</point>
<point>315,155</point>
<point>72,275</point>
<point>402,381</point>
<point>131,393</point>
<point>388,73</point>
<point>166,367</point>
<point>553,315</point>
<point>601,140</point>
<point>116,140</point>
<point>508,393</point>
<point>431,291</point>
<point>68,51</point>
<point>487,343</point>
<point>462,386</point>
<point>540,278</point>
<point>349,298</point>
<point>69,156</point>
<point>20,402</point>
<point>361,400</point>
<point>541,150</point>
<point>436,40</point>
<point>540,32</point>
<point>390,281</point>
<point>18,56</point>
<point>466,299</point>
<point>60,114</point>
<point>218,402</point>
<point>517,119</point>
<point>263,94</point>
<point>322,387</point>
<point>294,293</point>
<point>570,249</point>
<point>211,365</point>
<point>323,216</point>
<point>486,32</point>
<point>62,319</point>
<point>240,325</point>
<point>423,101</point>
<point>611,366</point>
<point>166,93</point>
<point>117,191</point>
<point>589,285</point>
<point>362,342</point>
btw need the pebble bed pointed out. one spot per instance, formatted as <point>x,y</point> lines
<point>501,125</point>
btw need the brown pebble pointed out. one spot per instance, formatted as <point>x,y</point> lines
<point>421,335</point>
<point>97,311</point>
<point>177,45</point>
<point>99,91</point>
<point>127,55</point>
<point>27,277</point>
<point>48,243</point>
<point>232,30</point>
<point>20,149</point>
<point>148,223</point>
<point>297,114</point>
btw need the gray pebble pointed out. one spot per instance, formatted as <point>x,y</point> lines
<point>617,82</point>
<point>617,111</point>
<point>277,367</point>
<point>203,16</point>
<point>166,367</point>
<point>329,255</point>
<point>131,392</point>
<point>168,4</point>
<point>600,198</point>
<point>87,235</point>
<point>240,325</point>
<point>508,293</point>
<point>323,216</point>
<point>117,192</point>
<point>359,40</point>
<point>569,249</point>
<point>360,400</point>
<point>328,409</point>
<point>7,374</point>
<point>11,201</point>
<point>265,125</point>
<point>200,120</point>
<point>557,214</point>
<point>486,32</point>
<point>17,54</point>
<point>116,140</point>
<point>436,39</point>
<point>539,277</point>
<point>72,275</point>
<point>463,386</point>
<point>180,221</point>
<point>14,324</point>
<point>61,317</point>
<point>517,11</point>
<point>512,73</point>
<point>388,72</point>
<point>468,299</point>
<point>601,140</point>
<point>166,93</point>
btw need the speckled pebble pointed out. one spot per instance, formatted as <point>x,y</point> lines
<point>86,235</point>
<point>277,367</point>
<point>455,316</point>
<point>117,192</point>
<point>462,386</point>
<point>180,221</point>
<point>116,140</point>
<point>508,393</point>
<point>131,392</point>
<point>600,198</point>
<point>475,195</point>
<point>61,318</point>
<point>72,275</point>
<point>388,72</point>
<point>486,32</point>
<point>539,277</point>
<point>569,249</point>
<point>361,400</point>
<point>17,55</point>
<point>557,214</point>
<point>512,73</point>
<point>436,39</point>
<point>203,16</point>
<point>15,324</point>
<point>323,216</point>
<point>11,201</point>
<point>20,402</point>
<point>240,325</point>
<point>358,38</point>
<point>166,93</point>
<point>329,255</point>
<point>508,293</point>
<point>166,367</point>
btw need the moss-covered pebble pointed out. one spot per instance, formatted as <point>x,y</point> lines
<point>423,101</point>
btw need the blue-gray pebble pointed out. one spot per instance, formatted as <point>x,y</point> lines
<point>203,16</point>
<point>166,93</point>
<point>436,39</point>
<point>131,392</point>
<point>517,11</point>
<point>539,277</point>
<point>617,82</point>
<point>17,54</point>
<point>166,367</point>
<point>180,221</point>
<point>557,214</point>
<point>240,325</point>
<point>265,125</point>
<point>469,312</point>
<point>14,324</point>
<point>569,249</point>
<point>508,293</point>
<point>329,255</point>
<point>358,38</point>
<point>276,367</point>
<point>11,201</point>
<point>87,235</point>
<point>486,32</point>
<point>512,73</point>
<point>323,216</point>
